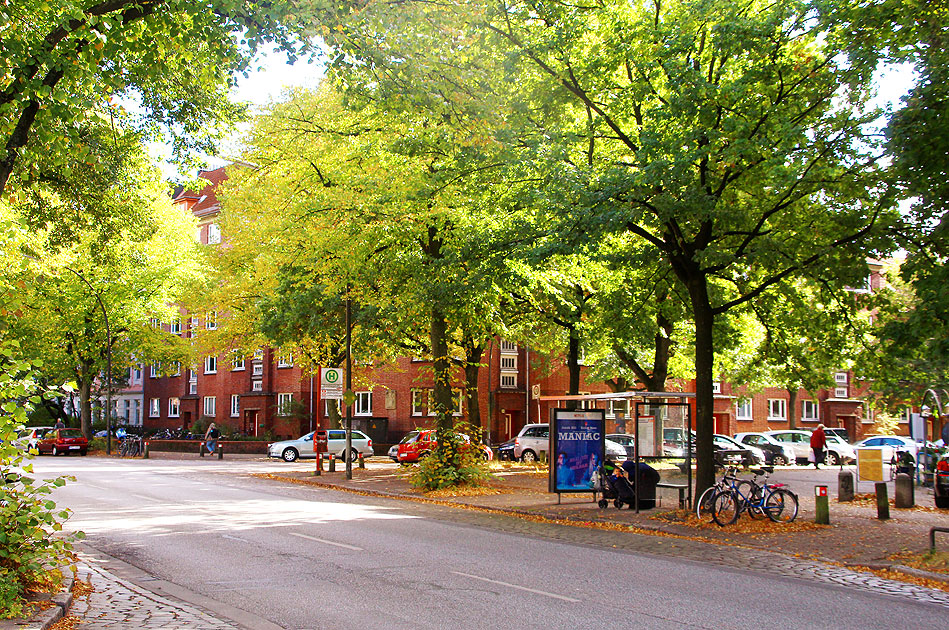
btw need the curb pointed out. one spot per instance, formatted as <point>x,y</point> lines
<point>44,619</point>
<point>929,575</point>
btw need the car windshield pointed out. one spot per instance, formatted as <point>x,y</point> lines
<point>411,437</point>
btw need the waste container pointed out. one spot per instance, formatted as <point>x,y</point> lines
<point>646,479</point>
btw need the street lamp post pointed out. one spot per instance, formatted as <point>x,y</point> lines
<point>108,362</point>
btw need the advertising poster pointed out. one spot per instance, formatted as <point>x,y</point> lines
<point>577,443</point>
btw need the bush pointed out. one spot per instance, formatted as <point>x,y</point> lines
<point>453,462</point>
<point>31,547</point>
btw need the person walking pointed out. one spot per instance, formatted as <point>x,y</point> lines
<point>818,442</point>
<point>211,436</point>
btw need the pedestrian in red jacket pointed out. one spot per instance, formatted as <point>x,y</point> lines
<point>818,442</point>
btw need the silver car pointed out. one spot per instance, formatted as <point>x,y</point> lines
<point>302,447</point>
<point>534,438</point>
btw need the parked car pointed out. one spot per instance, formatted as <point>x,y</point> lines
<point>417,444</point>
<point>534,438</point>
<point>775,453</point>
<point>840,432</point>
<point>836,450</point>
<point>627,441</point>
<point>892,445</point>
<point>749,455</point>
<point>29,436</point>
<point>302,447</point>
<point>941,482</point>
<point>505,451</point>
<point>394,453</point>
<point>56,441</point>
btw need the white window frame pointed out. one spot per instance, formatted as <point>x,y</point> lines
<point>459,396</point>
<point>210,320</point>
<point>175,368</point>
<point>813,405</point>
<point>509,362</point>
<point>782,408</point>
<point>210,406</point>
<point>257,386</point>
<point>154,370</point>
<point>418,402</point>
<point>841,392</point>
<point>745,409</point>
<point>174,407</point>
<point>235,405</point>
<point>154,408</point>
<point>257,369</point>
<point>210,364</point>
<point>214,233</point>
<point>285,360</point>
<point>175,326</point>
<point>841,378</point>
<point>612,406</point>
<point>511,380</point>
<point>237,364</point>
<point>717,387</point>
<point>363,404</point>
<point>508,346</point>
<point>284,403</point>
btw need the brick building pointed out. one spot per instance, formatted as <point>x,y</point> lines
<point>267,394</point>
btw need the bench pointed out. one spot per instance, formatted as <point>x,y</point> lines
<point>681,487</point>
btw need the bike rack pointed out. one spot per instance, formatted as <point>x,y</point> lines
<point>932,536</point>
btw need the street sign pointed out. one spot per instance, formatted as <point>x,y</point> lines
<point>331,383</point>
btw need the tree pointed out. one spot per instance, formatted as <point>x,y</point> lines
<point>175,58</point>
<point>730,138</point>
<point>98,242</point>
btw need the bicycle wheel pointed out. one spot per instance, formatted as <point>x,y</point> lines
<point>703,507</point>
<point>725,507</point>
<point>781,506</point>
<point>750,495</point>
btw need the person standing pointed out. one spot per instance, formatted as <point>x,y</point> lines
<point>211,436</point>
<point>818,442</point>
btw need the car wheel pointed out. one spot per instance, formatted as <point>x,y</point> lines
<point>528,457</point>
<point>54,452</point>
<point>941,502</point>
<point>831,459</point>
<point>779,460</point>
<point>290,454</point>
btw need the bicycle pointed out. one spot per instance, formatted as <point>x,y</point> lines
<point>131,446</point>
<point>703,507</point>
<point>773,500</point>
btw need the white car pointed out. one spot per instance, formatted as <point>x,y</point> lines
<point>302,447</point>
<point>835,452</point>
<point>891,445</point>
<point>534,438</point>
<point>777,453</point>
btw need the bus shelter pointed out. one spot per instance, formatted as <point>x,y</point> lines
<point>659,422</point>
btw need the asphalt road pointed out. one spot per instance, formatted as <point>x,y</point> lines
<point>304,557</point>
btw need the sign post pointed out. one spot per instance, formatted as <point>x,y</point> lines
<point>331,383</point>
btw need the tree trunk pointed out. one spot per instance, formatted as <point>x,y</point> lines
<point>442,397</point>
<point>704,398</point>
<point>85,406</point>
<point>573,367</point>
<point>472,370</point>
<point>792,405</point>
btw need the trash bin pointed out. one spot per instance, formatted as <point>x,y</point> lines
<point>645,485</point>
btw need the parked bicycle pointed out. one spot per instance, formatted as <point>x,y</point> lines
<point>131,446</point>
<point>703,507</point>
<point>773,500</point>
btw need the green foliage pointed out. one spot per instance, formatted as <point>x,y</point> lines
<point>31,538</point>
<point>455,461</point>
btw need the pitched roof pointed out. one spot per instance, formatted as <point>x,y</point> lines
<point>203,202</point>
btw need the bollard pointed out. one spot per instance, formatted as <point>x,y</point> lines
<point>822,504</point>
<point>145,451</point>
<point>201,449</point>
<point>319,465</point>
<point>845,486</point>
<point>362,461</point>
<point>903,494</point>
<point>543,457</point>
<point>332,463</point>
<point>883,501</point>
<point>220,451</point>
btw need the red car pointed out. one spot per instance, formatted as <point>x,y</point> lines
<point>418,444</point>
<point>57,441</point>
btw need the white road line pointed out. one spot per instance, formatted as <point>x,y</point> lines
<point>326,542</point>
<point>234,538</point>
<point>515,586</point>
<point>143,497</point>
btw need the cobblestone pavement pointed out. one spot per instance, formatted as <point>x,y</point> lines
<point>118,603</point>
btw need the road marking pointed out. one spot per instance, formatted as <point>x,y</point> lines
<point>326,542</point>
<point>520,588</point>
<point>143,497</point>
<point>234,538</point>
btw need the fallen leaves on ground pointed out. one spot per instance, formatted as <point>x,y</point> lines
<point>935,561</point>
<point>82,589</point>
<point>68,622</point>
<point>869,500</point>
<point>744,525</point>
<point>899,576</point>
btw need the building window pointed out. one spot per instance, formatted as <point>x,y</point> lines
<point>509,380</point>
<point>809,411</point>
<point>459,403</point>
<point>418,402</point>
<point>744,409</point>
<point>507,346</point>
<point>777,409</point>
<point>214,234</point>
<point>363,406</point>
<point>840,377</point>
<point>284,404</point>
<point>840,392</point>
<point>617,408</point>
<point>285,360</point>
<point>716,387</point>
<point>509,362</point>
<point>257,386</point>
<point>155,322</point>
<point>176,368</point>
<point>235,405</point>
<point>210,365</point>
<point>176,326</point>
<point>210,322</point>
<point>210,406</point>
<point>153,408</point>
<point>237,364</point>
<point>137,371</point>
<point>174,407</point>
<point>154,369</point>
<point>258,369</point>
